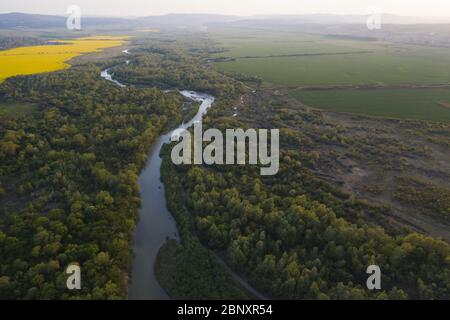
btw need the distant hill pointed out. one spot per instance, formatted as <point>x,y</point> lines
<point>187,19</point>
<point>334,19</point>
<point>22,20</point>
<point>36,21</point>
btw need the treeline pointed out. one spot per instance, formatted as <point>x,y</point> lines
<point>19,41</point>
<point>68,175</point>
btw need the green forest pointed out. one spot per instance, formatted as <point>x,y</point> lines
<point>69,181</point>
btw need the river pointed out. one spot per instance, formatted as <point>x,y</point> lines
<point>156,224</point>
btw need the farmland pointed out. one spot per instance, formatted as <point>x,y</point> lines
<point>345,67</point>
<point>53,57</point>
<point>305,60</point>
<point>266,44</point>
<point>426,104</point>
<point>342,69</point>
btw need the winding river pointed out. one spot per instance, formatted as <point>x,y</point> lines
<point>156,224</point>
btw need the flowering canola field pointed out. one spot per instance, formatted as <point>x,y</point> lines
<point>48,58</point>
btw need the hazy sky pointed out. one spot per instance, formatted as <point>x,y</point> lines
<point>437,8</point>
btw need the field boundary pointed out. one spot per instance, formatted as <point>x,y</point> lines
<point>361,87</point>
<point>228,59</point>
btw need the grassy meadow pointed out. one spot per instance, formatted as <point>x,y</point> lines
<point>52,57</point>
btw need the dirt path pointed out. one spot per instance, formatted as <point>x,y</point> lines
<point>240,280</point>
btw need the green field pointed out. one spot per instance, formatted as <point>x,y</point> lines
<point>281,44</point>
<point>13,109</point>
<point>329,61</point>
<point>342,70</point>
<point>380,62</point>
<point>422,104</point>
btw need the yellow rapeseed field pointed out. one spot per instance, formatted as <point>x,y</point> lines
<point>48,58</point>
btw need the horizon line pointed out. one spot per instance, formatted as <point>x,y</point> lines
<point>229,15</point>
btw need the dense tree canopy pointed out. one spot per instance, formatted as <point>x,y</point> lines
<point>69,181</point>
